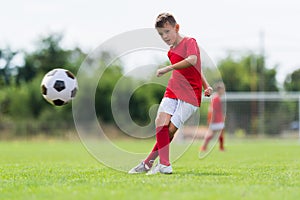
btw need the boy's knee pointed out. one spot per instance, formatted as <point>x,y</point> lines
<point>162,119</point>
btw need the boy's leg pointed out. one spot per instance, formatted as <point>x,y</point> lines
<point>162,137</point>
<point>207,139</point>
<point>165,122</point>
<point>152,156</point>
<point>161,147</point>
<point>163,140</point>
<point>166,126</point>
<point>221,140</point>
<point>154,153</point>
<point>172,131</point>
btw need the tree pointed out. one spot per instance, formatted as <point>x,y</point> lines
<point>49,55</point>
<point>248,73</point>
<point>6,65</point>
<point>292,81</point>
<point>292,84</point>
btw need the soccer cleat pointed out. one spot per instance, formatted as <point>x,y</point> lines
<point>160,168</point>
<point>140,168</point>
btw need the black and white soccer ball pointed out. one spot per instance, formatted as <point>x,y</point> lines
<point>59,86</point>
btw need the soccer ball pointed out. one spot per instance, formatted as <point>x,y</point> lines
<point>59,86</point>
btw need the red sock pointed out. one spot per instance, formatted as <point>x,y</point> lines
<point>221,140</point>
<point>153,155</point>
<point>163,141</point>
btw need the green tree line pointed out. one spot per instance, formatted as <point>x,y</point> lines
<point>24,112</point>
<point>248,73</point>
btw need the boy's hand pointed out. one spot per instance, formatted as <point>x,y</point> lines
<point>163,70</point>
<point>208,91</point>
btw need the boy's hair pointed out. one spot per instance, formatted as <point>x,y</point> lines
<point>219,85</point>
<point>163,18</point>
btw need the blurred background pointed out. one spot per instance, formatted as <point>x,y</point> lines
<point>254,44</point>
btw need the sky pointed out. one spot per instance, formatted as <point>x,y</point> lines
<point>220,26</point>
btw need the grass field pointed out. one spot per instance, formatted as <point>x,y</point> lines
<point>249,169</point>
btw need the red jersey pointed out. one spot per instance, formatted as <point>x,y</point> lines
<point>215,112</point>
<point>185,84</point>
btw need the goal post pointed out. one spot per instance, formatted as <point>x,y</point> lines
<point>260,103</point>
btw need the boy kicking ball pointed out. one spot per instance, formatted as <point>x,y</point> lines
<point>182,96</point>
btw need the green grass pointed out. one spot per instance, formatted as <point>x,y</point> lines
<point>251,169</point>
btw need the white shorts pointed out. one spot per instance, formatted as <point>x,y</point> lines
<point>216,126</point>
<point>180,110</point>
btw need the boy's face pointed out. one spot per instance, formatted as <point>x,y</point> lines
<point>169,33</point>
<point>221,91</point>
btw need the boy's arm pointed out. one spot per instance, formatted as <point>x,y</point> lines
<point>187,62</point>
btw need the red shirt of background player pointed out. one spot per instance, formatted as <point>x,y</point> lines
<point>185,84</point>
<point>215,112</point>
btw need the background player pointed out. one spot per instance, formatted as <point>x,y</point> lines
<point>215,117</point>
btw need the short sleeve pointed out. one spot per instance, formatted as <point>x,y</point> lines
<point>192,47</point>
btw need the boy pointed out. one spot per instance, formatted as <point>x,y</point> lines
<point>182,96</point>
<point>215,118</point>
